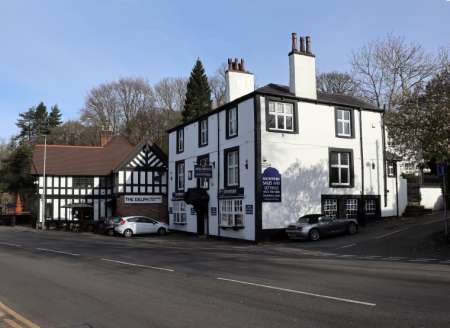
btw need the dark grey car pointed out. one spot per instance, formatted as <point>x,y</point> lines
<point>314,226</point>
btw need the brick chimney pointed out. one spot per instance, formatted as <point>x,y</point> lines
<point>105,135</point>
<point>239,82</point>
<point>302,69</point>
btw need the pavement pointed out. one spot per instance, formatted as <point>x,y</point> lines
<point>59,279</point>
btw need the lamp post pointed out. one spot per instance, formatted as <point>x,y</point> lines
<point>45,185</point>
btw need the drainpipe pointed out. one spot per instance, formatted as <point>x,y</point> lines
<point>218,174</point>
<point>383,138</point>
<point>361,150</point>
<point>396,190</point>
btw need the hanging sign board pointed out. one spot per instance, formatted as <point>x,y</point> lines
<point>271,185</point>
<point>203,171</point>
<point>144,199</point>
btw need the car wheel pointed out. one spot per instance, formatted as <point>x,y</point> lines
<point>128,233</point>
<point>352,229</point>
<point>162,231</point>
<point>314,235</point>
<point>110,232</point>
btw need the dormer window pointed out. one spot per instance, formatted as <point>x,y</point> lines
<point>232,123</point>
<point>180,141</point>
<point>344,123</point>
<point>281,116</point>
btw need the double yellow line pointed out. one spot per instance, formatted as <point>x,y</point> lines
<point>18,320</point>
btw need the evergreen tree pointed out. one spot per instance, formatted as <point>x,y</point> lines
<point>198,94</point>
<point>40,126</point>
<point>15,171</point>
<point>25,124</point>
<point>54,118</point>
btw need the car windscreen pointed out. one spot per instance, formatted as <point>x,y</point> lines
<point>308,220</point>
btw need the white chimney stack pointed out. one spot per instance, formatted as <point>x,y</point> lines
<point>239,82</point>
<point>302,69</point>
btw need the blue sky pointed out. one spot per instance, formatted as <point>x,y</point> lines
<point>55,51</point>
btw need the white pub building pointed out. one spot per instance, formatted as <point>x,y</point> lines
<point>250,167</point>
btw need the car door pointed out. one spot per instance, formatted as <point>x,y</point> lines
<point>140,225</point>
<point>325,225</point>
<point>152,225</point>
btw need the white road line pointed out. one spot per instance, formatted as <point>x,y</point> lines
<point>422,260</point>
<point>56,251</point>
<point>391,233</point>
<point>340,299</point>
<point>10,244</point>
<point>346,256</point>
<point>394,258</point>
<point>137,265</point>
<point>347,246</point>
<point>369,257</point>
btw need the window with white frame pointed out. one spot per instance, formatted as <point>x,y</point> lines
<point>330,208</point>
<point>179,212</point>
<point>370,207</point>
<point>280,116</point>
<point>231,214</point>
<point>203,182</point>
<point>343,123</point>
<point>232,167</point>
<point>179,173</point>
<point>232,122</point>
<point>180,140</point>
<point>340,168</point>
<point>203,132</point>
<point>351,208</point>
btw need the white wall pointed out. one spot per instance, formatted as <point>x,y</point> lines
<point>302,160</point>
<point>431,198</point>
<point>245,141</point>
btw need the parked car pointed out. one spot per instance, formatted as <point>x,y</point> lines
<point>314,226</point>
<point>107,225</point>
<point>138,225</point>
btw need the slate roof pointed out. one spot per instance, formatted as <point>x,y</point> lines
<point>81,160</point>
<point>322,97</point>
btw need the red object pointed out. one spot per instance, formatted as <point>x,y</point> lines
<point>19,205</point>
<point>122,221</point>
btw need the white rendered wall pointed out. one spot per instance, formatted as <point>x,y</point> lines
<point>302,160</point>
<point>245,141</point>
<point>302,75</point>
<point>238,84</point>
<point>431,198</point>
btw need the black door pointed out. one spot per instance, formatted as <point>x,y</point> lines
<point>201,222</point>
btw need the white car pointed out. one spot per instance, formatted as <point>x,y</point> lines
<point>138,225</point>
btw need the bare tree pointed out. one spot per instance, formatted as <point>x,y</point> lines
<point>388,69</point>
<point>170,93</point>
<point>73,132</point>
<point>217,83</point>
<point>336,82</point>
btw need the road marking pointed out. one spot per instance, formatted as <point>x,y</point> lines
<point>138,265</point>
<point>17,316</point>
<point>394,258</point>
<point>391,233</point>
<point>10,244</point>
<point>422,260</point>
<point>346,256</point>
<point>12,324</point>
<point>56,251</point>
<point>347,246</point>
<point>347,300</point>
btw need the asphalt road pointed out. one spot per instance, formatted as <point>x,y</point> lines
<point>59,279</point>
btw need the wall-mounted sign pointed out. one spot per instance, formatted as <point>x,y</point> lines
<point>248,209</point>
<point>231,193</point>
<point>178,195</point>
<point>143,199</point>
<point>192,211</point>
<point>213,211</point>
<point>271,185</point>
<point>203,171</point>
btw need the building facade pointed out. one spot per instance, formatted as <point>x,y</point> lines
<point>91,183</point>
<point>279,152</point>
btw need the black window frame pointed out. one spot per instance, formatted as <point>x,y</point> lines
<point>295,114</point>
<point>179,131</point>
<point>200,144</point>
<point>352,122</point>
<point>200,158</point>
<point>225,166</point>
<point>394,169</point>
<point>177,163</point>
<point>227,122</point>
<point>351,167</point>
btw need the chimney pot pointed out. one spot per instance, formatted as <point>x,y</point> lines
<point>229,63</point>
<point>294,41</point>
<point>242,65</point>
<point>308,45</point>
<point>302,44</point>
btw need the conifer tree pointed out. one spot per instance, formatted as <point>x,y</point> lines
<point>198,94</point>
<point>54,118</point>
